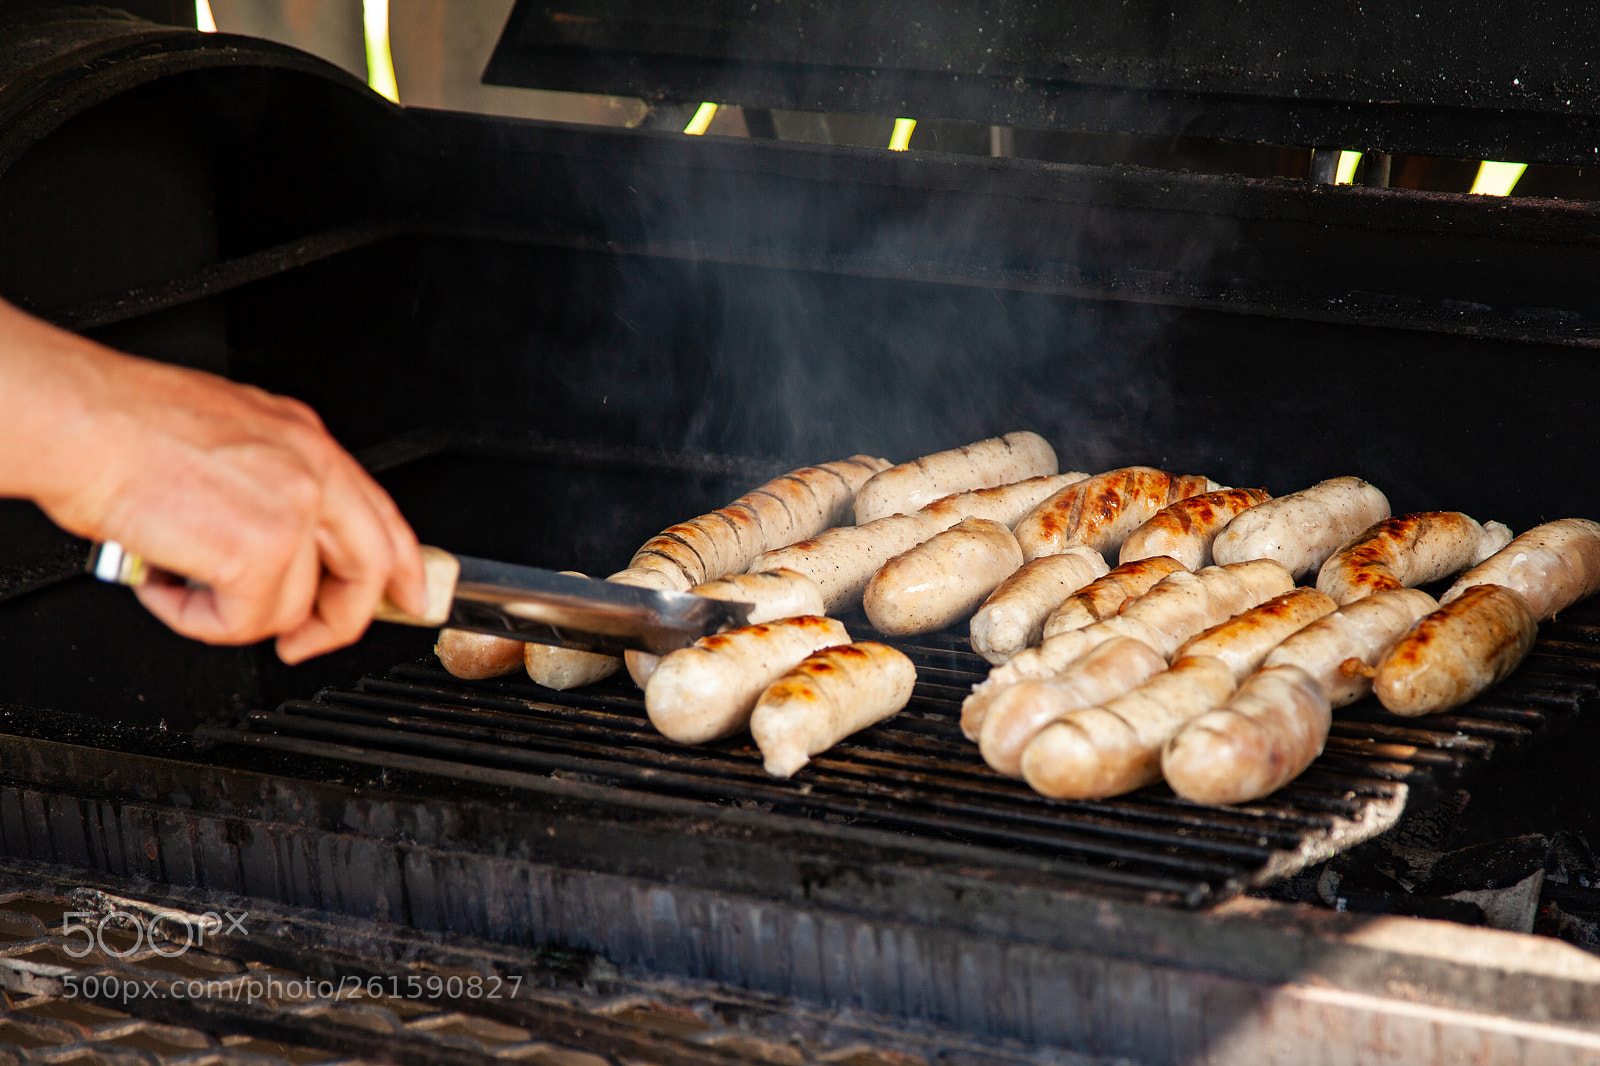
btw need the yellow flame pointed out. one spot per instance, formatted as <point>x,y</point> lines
<point>380,61</point>
<point>1498,179</point>
<point>1347,168</point>
<point>900,139</point>
<point>203,17</point>
<point>702,120</point>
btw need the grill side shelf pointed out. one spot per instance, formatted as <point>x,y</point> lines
<point>913,784</point>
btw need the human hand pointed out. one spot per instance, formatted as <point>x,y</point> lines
<point>245,493</point>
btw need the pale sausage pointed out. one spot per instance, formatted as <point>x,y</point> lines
<point>1551,566</point>
<point>1340,649</point>
<point>1184,530</point>
<point>1102,510</point>
<point>1302,529</point>
<point>984,464</point>
<point>842,560</point>
<point>1013,616</point>
<point>1116,748</point>
<point>1018,713</point>
<point>832,693</point>
<point>1457,652</point>
<point>1255,744</point>
<point>942,580</point>
<point>707,690</point>
<point>1408,551</point>
<point>1105,596</point>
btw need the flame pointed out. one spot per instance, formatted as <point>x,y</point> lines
<point>1497,179</point>
<point>380,61</point>
<point>702,120</point>
<point>900,139</point>
<point>203,17</point>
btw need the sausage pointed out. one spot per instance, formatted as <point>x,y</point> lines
<point>1362,631</point>
<point>566,668</point>
<point>1254,744</point>
<point>1019,712</point>
<point>1101,511</point>
<point>842,560</point>
<point>1116,748</point>
<point>1013,616</point>
<point>1180,606</point>
<point>1302,529</point>
<point>911,486</point>
<point>707,690</point>
<point>1183,605</point>
<point>1457,652</point>
<point>792,506</point>
<point>1551,566</point>
<point>475,656</point>
<point>771,595</point>
<point>832,693</point>
<point>1408,551</point>
<point>1184,530</point>
<point>1244,640</point>
<point>942,580</point>
<point>1105,596</point>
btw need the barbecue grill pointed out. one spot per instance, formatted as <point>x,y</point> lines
<point>552,341</point>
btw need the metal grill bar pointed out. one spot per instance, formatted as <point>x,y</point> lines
<point>916,779</point>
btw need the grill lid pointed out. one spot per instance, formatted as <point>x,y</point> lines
<point>1437,77</point>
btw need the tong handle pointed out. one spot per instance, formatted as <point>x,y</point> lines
<point>111,562</point>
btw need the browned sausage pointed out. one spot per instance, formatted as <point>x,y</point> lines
<point>1101,511</point>
<point>1246,639</point>
<point>1185,530</point>
<point>474,656</point>
<point>1408,551</point>
<point>1456,652</point>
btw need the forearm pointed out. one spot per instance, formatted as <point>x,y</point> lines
<point>51,384</point>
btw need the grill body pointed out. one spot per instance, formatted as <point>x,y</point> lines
<point>551,342</point>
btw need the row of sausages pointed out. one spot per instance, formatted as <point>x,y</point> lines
<point>1196,658</point>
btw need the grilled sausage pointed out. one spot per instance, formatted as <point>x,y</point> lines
<point>1019,712</point>
<point>566,668</point>
<point>1340,649</point>
<point>842,560</point>
<point>1101,511</point>
<point>1551,566</point>
<point>1183,605</point>
<point>1302,529</point>
<point>1116,748</point>
<point>1180,606</point>
<point>1243,641</point>
<point>942,580</point>
<point>707,690</point>
<point>771,595</point>
<point>1457,652</point>
<point>799,504</point>
<point>1105,596</point>
<point>475,656</point>
<point>1013,616</point>
<point>1253,745</point>
<point>832,693</point>
<point>1184,530</point>
<point>1408,551</point>
<point>984,464</point>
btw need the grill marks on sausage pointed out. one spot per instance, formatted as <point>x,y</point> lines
<point>1102,510</point>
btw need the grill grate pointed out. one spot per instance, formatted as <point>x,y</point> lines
<point>915,778</point>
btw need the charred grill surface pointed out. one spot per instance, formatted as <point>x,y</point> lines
<point>916,784</point>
